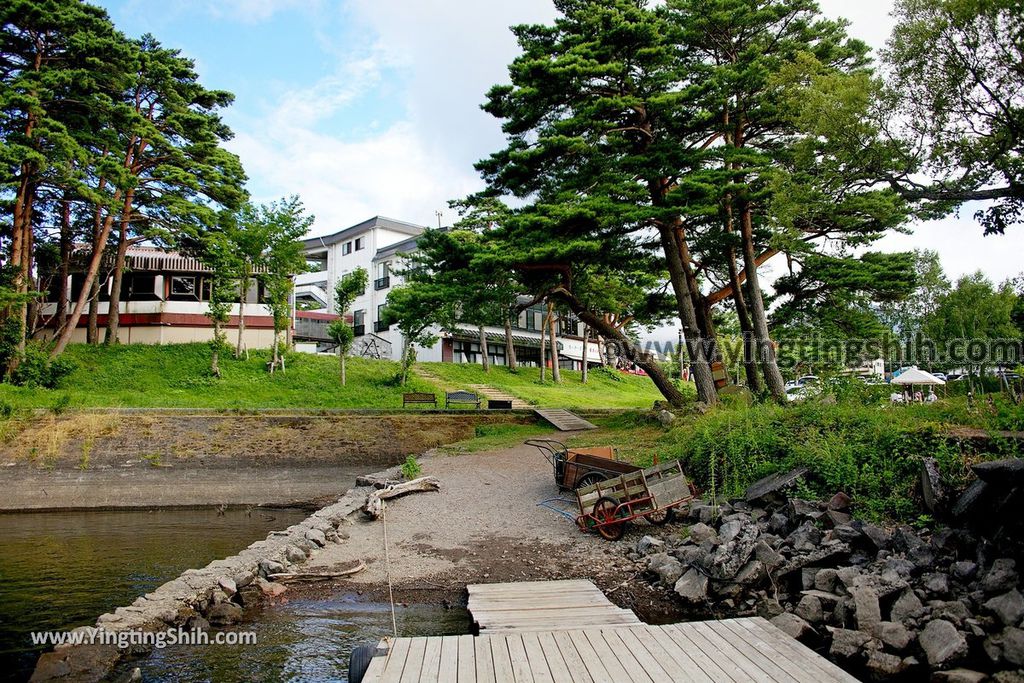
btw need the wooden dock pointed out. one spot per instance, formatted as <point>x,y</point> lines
<point>564,420</point>
<point>499,608</point>
<point>730,651</point>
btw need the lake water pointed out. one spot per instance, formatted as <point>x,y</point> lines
<point>59,570</point>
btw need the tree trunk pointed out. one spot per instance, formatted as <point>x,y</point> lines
<point>243,289</point>
<point>626,346</point>
<point>600,351</point>
<point>90,276</point>
<point>341,363</point>
<point>758,316</point>
<point>556,371</point>
<point>705,383</point>
<point>485,360</point>
<point>742,313</point>
<point>275,351</point>
<point>510,347</point>
<point>114,305</point>
<point>215,356</point>
<point>543,362</point>
<point>92,332</point>
<point>64,272</point>
<point>586,345</point>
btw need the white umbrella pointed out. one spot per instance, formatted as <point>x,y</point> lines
<point>915,376</point>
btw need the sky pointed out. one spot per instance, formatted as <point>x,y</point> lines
<point>371,107</point>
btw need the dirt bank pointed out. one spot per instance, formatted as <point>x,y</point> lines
<point>485,525</point>
<point>111,459</point>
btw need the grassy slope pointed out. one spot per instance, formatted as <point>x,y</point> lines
<point>177,376</point>
<point>602,390</point>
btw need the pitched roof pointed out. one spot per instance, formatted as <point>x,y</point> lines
<point>365,226</point>
<point>405,246</point>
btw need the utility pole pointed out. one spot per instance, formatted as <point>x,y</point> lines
<point>438,214</point>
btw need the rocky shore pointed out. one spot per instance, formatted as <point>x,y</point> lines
<point>941,604</point>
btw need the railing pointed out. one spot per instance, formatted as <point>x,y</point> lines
<point>381,326</point>
<point>358,330</point>
<point>382,283</point>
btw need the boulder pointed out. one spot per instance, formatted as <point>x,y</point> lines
<point>965,570</point>
<point>227,585</point>
<point>1008,607</point>
<point>907,606</point>
<point>701,532</point>
<point>866,607</point>
<point>729,530</point>
<point>1013,646</point>
<point>942,643</point>
<point>1008,677</point>
<point>1008,472</point>
<point>649,544</point>
<point>270,589</point>
<point>224,613</point>
<point>316,536</point>
<point>959,676</point>
<point>936,583</point>
<point>878,536</point>
<point>810,610</point>
<point>847,643</point>
<point>665,418</point>
<point>825,580</point>
<point>954,611</point>
<point>883,666</point>
<point>294,554</point>
<point>669,571</point>
<point>840,502</point>
<point>773,484</point>
<point>792,625</point>
<point>932,490</point>
<point>972,500</point>
<point>895,635</point>
<point>268,567</point>
<point>692,587</point>
<point>1001,576</point>
<point>778,523</point>
<point>767,555</point>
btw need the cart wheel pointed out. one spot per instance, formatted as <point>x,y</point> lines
<point>661,517</point>
<point>589,479</point>
<point>604,511</point>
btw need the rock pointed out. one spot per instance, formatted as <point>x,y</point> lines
<point>701,532</point>
<point>838,519</point>
<point>729,557</point>
<point>649,544</point>
<point>847,643</point>
<point>804,508</point>
<point>847,533</point>
<point>866,607</point>
<point>752,573</point>
<point>1002,472</point>
<point>768,556</point>
<point>1008,677</point>
<point>936,583</point>
<point>907,606</point>
<point>950,610</point>
<point>224,613</point>
<point>964,570</point>
<point>778,523</point>
<point>773,484</point>
<point>809,609</point>
<point>883,666</point>
<point>932,490</point>
<point>79,663</point>
<point>825,580</point>
<point>668,571</point>
<point>895,635</point>
<point>729,531</point>
<point>972,500</point>
<point>227,585</point>
<point>294,554</point>
<point>692,587</point>
<point>824,554</point>
<point>878,536</point>
<point>1013,646</point>
<point>316,536</point>
<point>792,625</point>
<point>1001,577</point>
<point>1008,607</point>
<point>666,418</point>
<point>840,502</point>
<point>270,589</point>
<point>958,676</point>
<point>268,567</point>
<point>942,643</point>
<point>244,577</point>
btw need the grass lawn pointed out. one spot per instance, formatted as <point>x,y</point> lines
<point>604,389</point>
<point>178,376</point>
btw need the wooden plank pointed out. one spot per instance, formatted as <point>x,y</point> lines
<point>538,662</point>
<point>564,420</point>
<point>520,662</point>
<point>634,669</point>
<point>431,660</point>
<point>484,659</point>
<point>683,633</point>
<point>375,671</point>
<point>798,653</point>
<point>556,665</point>
<point>759,642</point>
<point>467,660</point>
<point>572,658</point>
<point>502,660</point>
<point>766,664</point>
<point>644,638</point>
<point>592,660</point>
<point>688,652</point>
<point>448,671</point>
<point>414,660</point>
<point>397,654</point>
<point>651,664</point>
<point>724,652</point>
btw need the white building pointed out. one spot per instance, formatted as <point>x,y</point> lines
<point>378,245</point>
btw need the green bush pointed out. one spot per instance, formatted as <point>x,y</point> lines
<point>37,369</point>
<point>411,468</point>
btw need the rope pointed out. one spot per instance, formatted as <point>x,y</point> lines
<point>387,567</point>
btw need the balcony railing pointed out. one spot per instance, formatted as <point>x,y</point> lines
<point>358,330</point>
<point>381,326</point>
<point>382,283</point>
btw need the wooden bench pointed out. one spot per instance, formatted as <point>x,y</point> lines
<point>419,397</point>
<point>461,398</point>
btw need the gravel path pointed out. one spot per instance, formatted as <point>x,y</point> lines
<point>485,526</point>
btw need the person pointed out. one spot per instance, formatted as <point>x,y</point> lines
<point>932,398</point>
<point>918,397</point>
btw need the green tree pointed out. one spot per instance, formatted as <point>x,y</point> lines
<point>414,310</point>
<point>958,91</point>
<point>349,286</point>
<point>217,252</point>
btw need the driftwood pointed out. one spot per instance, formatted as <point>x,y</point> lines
<point>375,500</point>
<point>298,577</point>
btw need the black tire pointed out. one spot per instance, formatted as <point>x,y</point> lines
<point>359,662</point>
<point>661,517</point>
<point>589,479</point>
<point>604,510</point>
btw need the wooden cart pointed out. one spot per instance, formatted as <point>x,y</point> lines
<point>577,467</point>
<point>653,493</point>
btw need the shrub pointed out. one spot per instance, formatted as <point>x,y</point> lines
<point>411,468</point>
<point>37,369</point>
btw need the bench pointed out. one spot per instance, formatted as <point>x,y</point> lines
<point>499,404</point>
<point>419,397</point>
<point>461,397</point>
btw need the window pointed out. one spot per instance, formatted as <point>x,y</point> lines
<point>184,287</point>
<point>531,320</point>
<point>359,243</point>
<point>346,248</point>
<point>380,325</point>
<point>359,322</point>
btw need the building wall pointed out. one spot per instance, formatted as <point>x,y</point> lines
<point>132,334</point>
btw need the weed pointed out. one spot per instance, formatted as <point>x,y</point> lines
<point>411,468</point>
